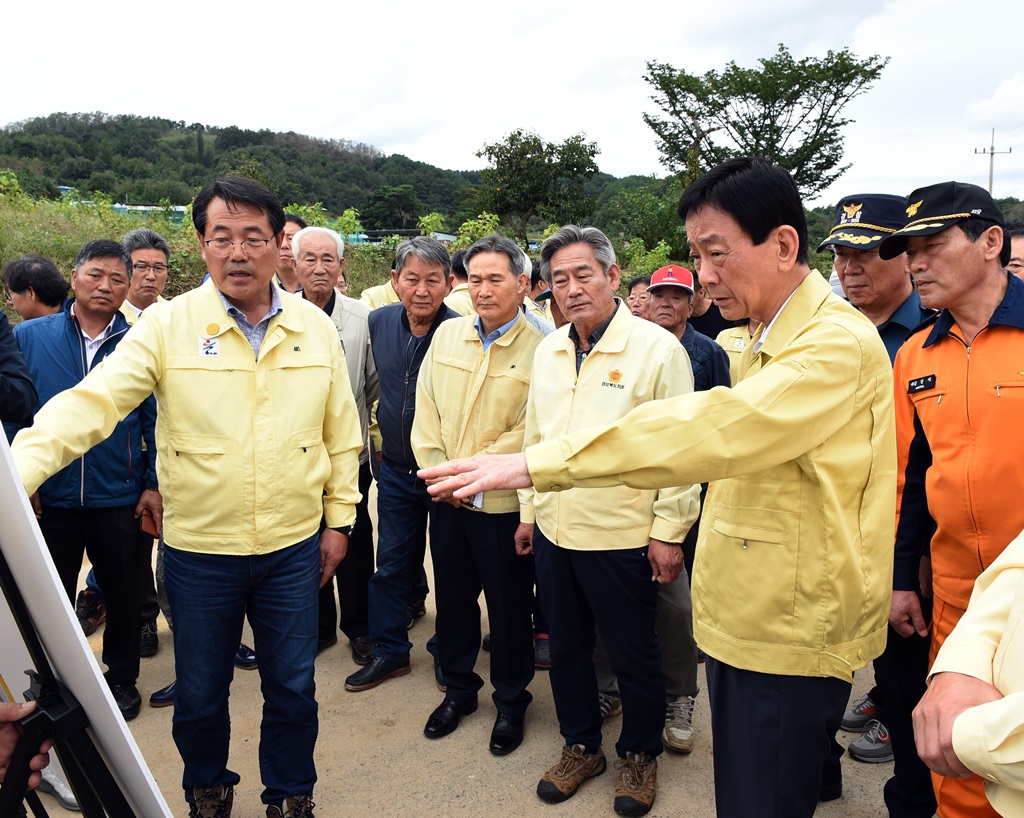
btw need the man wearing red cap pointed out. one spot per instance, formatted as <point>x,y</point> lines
<point>958,418</point>
<point>671,299</point>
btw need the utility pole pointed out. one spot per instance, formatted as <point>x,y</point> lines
<point>991,151</point>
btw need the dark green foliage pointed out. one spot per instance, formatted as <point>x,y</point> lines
<point>786,110</point>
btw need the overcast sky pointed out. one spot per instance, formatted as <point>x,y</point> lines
<point>436,81</point>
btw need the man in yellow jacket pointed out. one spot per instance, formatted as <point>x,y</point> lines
<point>972,718</point>
<point>597,552</point>
<point>471,398</point>
<point>257,437</point>
<point>792,580</point>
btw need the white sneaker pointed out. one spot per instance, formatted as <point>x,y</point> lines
<point>52,785</point>
<point>678,733</point>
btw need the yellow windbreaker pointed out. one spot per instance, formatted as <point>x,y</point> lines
<point>249,453</point>
<point>794,562</point>
<point>472,402</point>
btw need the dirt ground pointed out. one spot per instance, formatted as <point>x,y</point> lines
<point>372,758</point>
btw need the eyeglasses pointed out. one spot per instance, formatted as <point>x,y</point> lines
<point>142,267</point>
<point>252,246</point>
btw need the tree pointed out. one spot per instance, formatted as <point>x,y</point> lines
<point>392,207</point>
<point>529,177</point>
<point>648,213</point>
<point>789,111</point>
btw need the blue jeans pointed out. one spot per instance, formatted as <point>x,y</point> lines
<point>402,509</point>
<point>210,595</point>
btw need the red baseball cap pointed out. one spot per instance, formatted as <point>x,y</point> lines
<point>672,276</point>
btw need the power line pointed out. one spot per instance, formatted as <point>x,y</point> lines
<point>991,151</point>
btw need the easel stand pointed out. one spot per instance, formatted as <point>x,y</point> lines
<point>60,717</point>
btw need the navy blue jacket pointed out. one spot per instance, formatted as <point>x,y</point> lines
<point>709,361</point>
<point>116,471</point>
<point>398,355</point>
<point>18,397</point>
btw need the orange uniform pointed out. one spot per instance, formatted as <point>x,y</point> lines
<point>960,481</point>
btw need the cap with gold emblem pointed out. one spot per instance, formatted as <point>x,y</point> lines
<point>864,221</point>
<point>935,208</point>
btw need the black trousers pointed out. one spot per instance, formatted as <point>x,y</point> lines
<point>353,575</point>
<point>612,592</point>
<point>775,745</point>
<point>111,538</point>
<point>473,551</point>
<point>901,674</point>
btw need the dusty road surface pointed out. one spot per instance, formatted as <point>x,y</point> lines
<point>373,760</point>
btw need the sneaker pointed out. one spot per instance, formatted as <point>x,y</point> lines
<point>413,611</point>
<point>678,733</point>
<point>573,768</point>
<point>298,806</point>
<point>541,651</point>
<point>610,705</point>
<point>58,789</point>
<point>91,611</point>
<point>855,720</point>
<point>875,746</point>
<point>212,802</point>
<point>638,784</point>
<point>149,642</point>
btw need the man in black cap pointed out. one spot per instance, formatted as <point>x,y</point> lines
<point>958,417</point>
<point>882,290</point>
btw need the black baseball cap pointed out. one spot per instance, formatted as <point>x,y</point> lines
<point>938,207</point>
<point>864,221</point>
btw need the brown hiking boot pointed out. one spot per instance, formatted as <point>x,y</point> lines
<point>638,784</point>
<point>212,802</point>
<point>572,769</point>
<point>298,806</point>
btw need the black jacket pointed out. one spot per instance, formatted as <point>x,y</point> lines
<point>17,394</point>
<point>398,355</point>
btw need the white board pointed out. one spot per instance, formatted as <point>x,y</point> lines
<point>25,551</point>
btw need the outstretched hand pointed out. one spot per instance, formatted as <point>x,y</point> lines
<point>469,476</point>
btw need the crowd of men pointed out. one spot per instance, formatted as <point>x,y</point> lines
<point>723,459</point>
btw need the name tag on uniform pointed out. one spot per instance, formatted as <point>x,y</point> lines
<point>209,347</point>
<point>921,384</point>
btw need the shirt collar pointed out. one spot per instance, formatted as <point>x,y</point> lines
<point>595,336</point>
<point>1009,313</point>
<point>104,333</point>
<point>496,334</point>
<point>275,305</point>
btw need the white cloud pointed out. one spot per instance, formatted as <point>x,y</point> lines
<point>437,81</point>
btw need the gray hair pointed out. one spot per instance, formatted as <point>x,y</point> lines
<point>499,244</point>
<point>425,248</point>
<point>573,234</point>
<point>317,231</point>
<point>145,239</point>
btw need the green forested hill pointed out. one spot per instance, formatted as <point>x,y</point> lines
<point>144,160</point>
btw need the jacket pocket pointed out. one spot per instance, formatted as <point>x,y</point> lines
<point>748,567</point>
<point>205,483</point>
<point>304,472</point>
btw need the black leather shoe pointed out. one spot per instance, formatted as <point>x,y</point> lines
<point>362,649</point>
<point>507,733</point>
<point>446,718</point>
<point>439,676</point>
<point>245,658</point>
<point>164,697</point>
<point>128,700</point>
<point>377,670</point>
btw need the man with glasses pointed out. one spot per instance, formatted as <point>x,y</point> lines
<point>151,261</point>
<point>1015,233</point>
<point>258,439</point>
